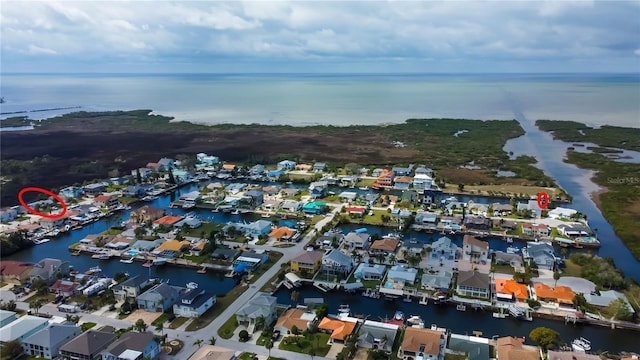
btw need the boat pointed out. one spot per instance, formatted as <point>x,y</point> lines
<point>363,188</point>
<point>407,299</point>
<point>148,264</point>
<point>127,261</point>
<point>415,320</point>
<point>192,285</point>
<point>101,256</point>
<point>461,307</point>
<point>76,253</point>
<point>581,345</point>
<point>399,316</point>
<point>516,311</point>
<point>235,212</point>
<point>509,240</point>
<point>512,250</point>
<point>77,227</point>
<point>41,241</point>
<point>159,261</point>
<point>344,308</point>
<point>93,270</point>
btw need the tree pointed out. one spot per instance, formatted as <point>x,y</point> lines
<point>556,276</point>
<point>140,232</point>
<point>40,286</point>
<point>384,339</point>
<point>461,187</point>
<point>243,335</point>
<point>619,309</point>
<point>138,176</point>
<point>11,349</point>
<point>294,330</point>
<point>322,311</point>
<point>579,301</point>
<point>140,325</point>
<point>212,340</point>
<point>172,180</point>
<point>198,342</point>
<point>545,337</point>
<point>260,322</point>
<point>269,346</point>
<point>295,296</point>
<point>35,304</point>
<point>120,277</point>
<point>160,328</point>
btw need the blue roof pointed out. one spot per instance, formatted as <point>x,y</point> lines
<point>240,267</point>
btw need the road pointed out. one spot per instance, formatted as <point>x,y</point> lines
<point>212,329</point>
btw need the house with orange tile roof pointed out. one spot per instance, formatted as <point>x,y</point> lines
<point>282,233</point>
<point>386,245</point>
<point>197,248</point>
<point>559,294</point>
<point>510,290</point>
<point>385,178</point>
<point>339,329</point>
<point>422,343</point>
<point>167,220</point>
<point>511,348</point>
<point>228,167</point>
<point>173,245</point>
<point>294,317</point>
<point>304,167</point>
<point>107,201</point>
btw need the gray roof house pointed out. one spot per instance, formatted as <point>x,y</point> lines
<point>336,262</point>
<point>6,317</point>
<point>225,253</point>
<point>402,273</point>
<point>541,253</point>
<point>503,258</point>
<point>194,302</point>
<point>87,346</point>
<point>47,342</point>
<point>357,240</point>
<point>476,348</point>
<point>606,297</point>
<point>130,287</point>
<point>262,304</point>
<point>369,271</point>
<point>444,248</point>
<point>132,346</point>
<point>473,284</point>
<point>48,270</point>
<point>22,328</point>
<point>159,298</point>
<point>256,197</point>
<point>373,334</point>
<point>439,281</point>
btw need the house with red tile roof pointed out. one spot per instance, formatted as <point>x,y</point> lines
<point>14,272</point>
<point>167,220</point>
<point>560,294</point>
<point>339,329</point>
<point>282,233</point>
<point>507,289</point>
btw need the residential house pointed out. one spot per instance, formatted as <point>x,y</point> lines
<point>8,214</point>
<point>510,348</point>
<point>314,208</point>
<point>422,170</point>
<point>338,328</point>
<point>371,198</point>
<point>318,189</point>
<point>71,192</point>
<point>274,174</point>
<point>304,167</point>
<point>541,253</point>
<point>96,188</point>
<point>320,166</point>
<point>291,205</point>
<point>225,253</point>
<point>261,305</point>
<point>604,298</point>
<point>87,346</point>
<point>357,240</point>
<point>134,191</point>
<point>532,206</point>
<point>146,245</point>
<point>335,262</point>
<point>294,317</point>
<point>561,295</point>
<point>170,248</point>
<point>255,197</point>
<point>426,218</point>
<point>574,229</point>
<point>146,214</point>
<point>65,288</point>
<point>153,166</point>
<point>511,290</point>
<point>422,181</point>
<point>251,259</point>
<point>166,164</point>
<point>106,201</point>
<point>271,204</point>
<point>532,229</point>
<point>211,352</point>
<point>477,223</point>
<point>22,328</point>
<point>475,250</point>
<point>451,223</point>
<point>438,281</point>
<point>192,222</point>
<point>159,298</point>
<point>502,209</point>
<point>574,355</point>
<point>410,196</point>
<point>193,303</point>
<point>133,346</point>
<point>376,172</point>
<point>286,165</point>
<point>402,171</point>
<point>282,233</point>
<point>561,213</point>
<point>257,170</point>
<point>473,284</point>
<point>377,335</point>
<point>355,210</point>
<point>349,180</point>
<point>385,179</point>
<point>402,274</point>
<point>330,240</point>
<point>50,270</point>
<point>474,347</point>
<point>307,261</point>
<point>431,196</point>
<point>348,196</point>
<point>386,245</point>
<point>271,190</point>
<point>443,249</point>
<point>205,160</point>
<point>167,220</point>
<point>403,182</point>
<point>7,317</point>
<point>255,229</point>
<point>130,288</point>
<point>505,224</point>
<point>423,344</point>
<point>121,180</point>
<point>366,271</point>
<point>47,342</point>
<point>144,172</point>
<point>14,272</point>
<point>515,260</point>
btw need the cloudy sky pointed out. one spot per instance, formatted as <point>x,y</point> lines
<point>329,36</point>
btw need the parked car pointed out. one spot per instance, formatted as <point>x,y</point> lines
<point>57,300</point>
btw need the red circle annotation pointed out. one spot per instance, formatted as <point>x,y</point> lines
<point>543,200</point>
<point>46,192</point>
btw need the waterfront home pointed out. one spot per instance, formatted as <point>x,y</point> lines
<point>168,220</point>
<point>314,208</point>
<point>335,262</point>
<point>261,305</point>
<point>47,342</point>
<point>560,295</point>
<point>304,167</point>
<point>422,181</point>
<point>574,229</point>
<point>511,348</point>
<point>121,180</point>
<point>431,196</point>
<point>254,197</point>
<point>505,224</point>
<point>134,191</point>
<point>436,280</point>
<point>87,346</point>
<point>423,170</point>
<point>320,166</point>
<point>532,229</point>
<point>251,260</point>
<point>130,288</point>
<point>386,245</point>
<point>166,164</point>
<point>604,298</point>
<point>385,179</point>
<point>253,229</point>
<point>106,201</point>
<point>191,221</point>
<point>22,328</point>
<point>65,288</point>
<point>397,213</point>
<point>475,250</point>
<point>225,253</point>
<point>355,210</point>
<point>71,192</point>
<point>473,284</point>
<point>159,298</point>
<point>274,175</point>
<point>443,249</point>
<point>133,345</point>
<point>532,206</point>
<point>377,335</point>
<point>286,165</point>
<point>410,196</point>
<point>194,302</point>
<point>50,270</point>
<point>228,168</point>
<point>426,218</point>
<point>541,253</point>
<point>257,170</point>
<point>8,214</point>
<point>338,328</point>
<point>211,352</point>
<point>477,223</point>
<point>371,198</point>
<point>291,205</point>
<point>561,213</point>
<point>272,204</point>
<point>172,248</point>
<point>423,344</point>
<point>376,172</point>
<point>146,245</point>
<point>7,317</point>
<point>119,242</point>
<point>191,196</point>
<point>299,318</point>
<point>357,240</point>
<point>402,171</point>
<point>307,261</point>
<point>349,180</point>
<point>57,223</point>
<point>143,171</point>
<point>154,166</point>
<point>14,272</point>
<point>290,192</point>
<point>474,347</point>
<point>402,182</point>
<point>511,290</point>
<point>347,196</point>
<point>366,271</point>
<point>451,222</point>
<point>515,260</point>
<point>146,214</point>
<point>205,160</point>
<point>271,190</point>
<point>318,189</point>
<point>402,274</point>
<point>282,233</point>
<point>95,188</point>
<point>330,240</point>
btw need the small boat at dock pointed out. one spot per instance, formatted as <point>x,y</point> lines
<point>159,261</point>
<point>581,345</point>
<point>461,307</point>
<point>344,308</point>
<point>127,261</point>
<point>41,241</point>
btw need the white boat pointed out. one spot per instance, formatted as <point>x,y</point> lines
<point>101,256</point>
<point>461,307</point>
<point>344,308</point>
<point>415,320</point>
<point>159,261</point>
<point>127,261</point>
<point>192,285</point>
<point>516,311</point>
<point>581,345</point>
<point>399,316</point>
<point>509,240</point>
<point>363,188</point>
<point>512,250</point>
<point>41,241</point>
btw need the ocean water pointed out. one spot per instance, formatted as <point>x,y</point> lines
<point>299,100</point>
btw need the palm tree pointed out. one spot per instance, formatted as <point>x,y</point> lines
<point>556,276</point>
<point>260,322</point>
<point>35,304</point>
<point>160,327</point>
<point>392,259</point>
<point>140,325</point>
<point>198,343</point>
<point>312,352</point>
<point>384,340</point>
<point>269,346</point>
<point>212,340</point>
<point>295,296</point>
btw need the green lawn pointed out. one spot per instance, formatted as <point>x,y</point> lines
<point>371,283</point>
<point>227,329</point>
<point>571,269</point>
<point>262,340</point>
<point>198,259</point>
<point>206,228</point>
<point>303,345</point>
<point>112,231</point>
<point>502,269</point>
<point>274,256</point>
<point>177,322</point>
<point>247,356</point>
<point>159,320</point>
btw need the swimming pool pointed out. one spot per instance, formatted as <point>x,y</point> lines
<point>133,252</point>
<point>388,284</point>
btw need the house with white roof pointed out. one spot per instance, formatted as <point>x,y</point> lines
<point>561,213</point>
<point>286,165</point>
<point>22,328</point>
<point>357,240</point>
<point>369,271</point>
<point>402,273</point>
<point>606,297</point>
<point>422,181</point>
<point>46,342</point>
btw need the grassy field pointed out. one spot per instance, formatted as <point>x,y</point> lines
<point>204,230</point>
<point>177,322</point>
<point>304,344</point>
<point>610,136</point>
<point>227,329</point>
<point>511,190</point>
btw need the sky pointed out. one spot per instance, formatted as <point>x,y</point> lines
<point>317,37</point>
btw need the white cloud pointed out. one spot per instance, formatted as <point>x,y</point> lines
<point>37,50</point>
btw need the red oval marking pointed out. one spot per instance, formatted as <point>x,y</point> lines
<point>543,200</point>
<point>46,192</point>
